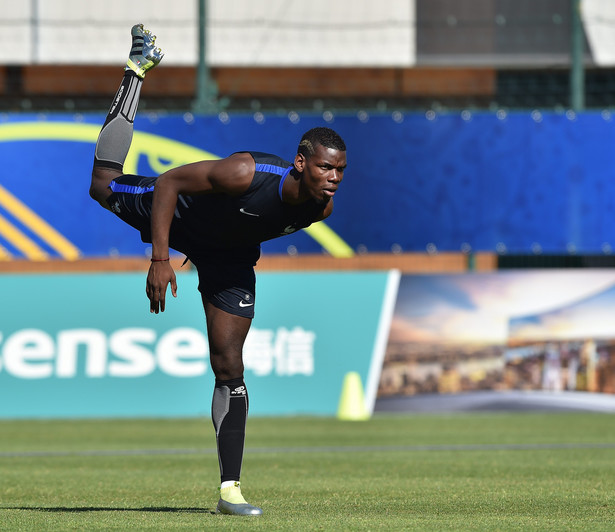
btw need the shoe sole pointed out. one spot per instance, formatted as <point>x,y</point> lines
<point>149,55</point>
<point>228,508</point>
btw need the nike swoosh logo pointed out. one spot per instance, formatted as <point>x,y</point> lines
<point>242,304</point>
<point>242,211</point>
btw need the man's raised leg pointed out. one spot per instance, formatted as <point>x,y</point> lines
<point>116,134</point>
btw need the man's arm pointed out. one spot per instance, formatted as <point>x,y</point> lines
<point>231,176</point>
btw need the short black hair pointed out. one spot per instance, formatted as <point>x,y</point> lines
<point>320,135</point>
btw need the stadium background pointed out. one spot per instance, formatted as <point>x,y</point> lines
<point>479,133</point>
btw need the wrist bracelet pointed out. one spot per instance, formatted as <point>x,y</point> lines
<point>159,260</point>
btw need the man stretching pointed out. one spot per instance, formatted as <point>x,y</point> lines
<point>217,213</point>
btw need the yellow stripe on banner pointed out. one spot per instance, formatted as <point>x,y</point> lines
<point>49,130</point>
<point>329,240</point>
<point>4,254</point>
<point>21,241</point>
<point>38,226</point>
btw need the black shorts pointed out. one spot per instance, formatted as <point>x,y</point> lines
<point>228,286</point>
<point>131,201</point>
<point>226,277</point>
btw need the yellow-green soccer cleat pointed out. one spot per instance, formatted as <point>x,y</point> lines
<point>143,55</point>
<point>232,502</point>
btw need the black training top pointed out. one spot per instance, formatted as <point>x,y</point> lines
<point>236,225</point>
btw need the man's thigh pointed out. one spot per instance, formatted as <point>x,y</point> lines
<point>131,201</point>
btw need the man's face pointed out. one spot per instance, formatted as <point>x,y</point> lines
<point>323,171</point>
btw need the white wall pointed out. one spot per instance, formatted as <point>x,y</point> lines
<point>240,32</point>
<point>599,21</point>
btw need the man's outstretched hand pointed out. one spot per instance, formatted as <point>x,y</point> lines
<point>159,276</point>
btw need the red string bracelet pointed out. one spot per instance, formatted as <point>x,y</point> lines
<point>159,260</point>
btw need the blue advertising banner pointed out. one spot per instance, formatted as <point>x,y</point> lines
<point>516,182</point>
<point>86,345</point>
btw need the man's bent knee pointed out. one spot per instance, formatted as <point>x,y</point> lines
<point>100,194</point>
<point>99,185</point>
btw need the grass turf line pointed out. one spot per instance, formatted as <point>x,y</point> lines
<point>447,489</point>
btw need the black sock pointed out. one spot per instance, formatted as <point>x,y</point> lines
<point>116,134</point>
<point>229,412</point>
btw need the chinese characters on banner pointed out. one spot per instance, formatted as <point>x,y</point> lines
<point>282,352</point>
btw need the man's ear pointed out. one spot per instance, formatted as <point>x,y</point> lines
<point>300,162</point>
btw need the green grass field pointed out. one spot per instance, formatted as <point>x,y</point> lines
<point>517,471</point>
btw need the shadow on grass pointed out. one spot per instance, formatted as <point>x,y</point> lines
<point>67,509</point>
